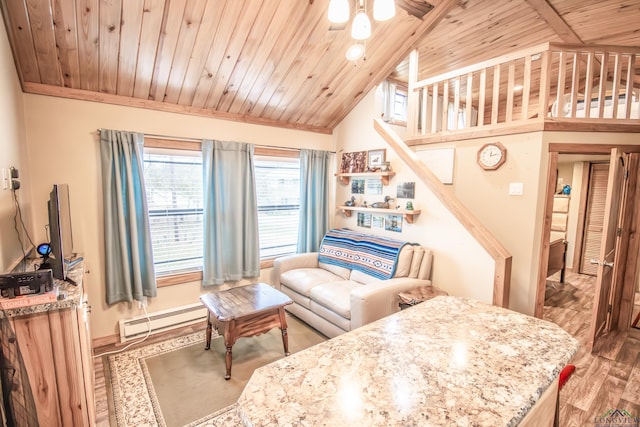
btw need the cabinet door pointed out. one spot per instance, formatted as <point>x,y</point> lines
<point>86,352</point>
<point>34,340</point>
<point>68,367</point>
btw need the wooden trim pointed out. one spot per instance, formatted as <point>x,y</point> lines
<point>266,263</point>
<point>176,279</point>
<point>577,148</point>
<point>502,273</point>
<point>85,95</point>
<point>592,125</point>
<point>543,263</point>
<point>593,48</point>
<point>277,152</point>
<point>174,144</point>
<point>106,340</point>
<point>582,215</point>
<point>515,127</point>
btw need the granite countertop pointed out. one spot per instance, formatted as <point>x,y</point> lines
<point>447,361</point>
<point>69,295</point>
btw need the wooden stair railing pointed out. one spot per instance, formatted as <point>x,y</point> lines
<point>502,257</point>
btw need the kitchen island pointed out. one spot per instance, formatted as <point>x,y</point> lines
<point>447,361</point>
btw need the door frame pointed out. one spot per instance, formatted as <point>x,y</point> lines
<point>623,321</point>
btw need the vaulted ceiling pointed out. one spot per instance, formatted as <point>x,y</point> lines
<point>275,62</point>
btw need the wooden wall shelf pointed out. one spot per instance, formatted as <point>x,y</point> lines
<point>408,215</point>
<point>345,178</point>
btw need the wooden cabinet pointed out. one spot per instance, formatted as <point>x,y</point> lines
<point>58,360</point>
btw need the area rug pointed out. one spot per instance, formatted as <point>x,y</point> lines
<point>177,383</point>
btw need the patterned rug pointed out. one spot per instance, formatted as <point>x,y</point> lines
<point>132,393</point>
<point>184,372</point>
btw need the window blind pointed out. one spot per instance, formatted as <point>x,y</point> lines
<point>173,183</point>
<point>278,197</point>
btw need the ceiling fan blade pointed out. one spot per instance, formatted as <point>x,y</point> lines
<point>417,8</point>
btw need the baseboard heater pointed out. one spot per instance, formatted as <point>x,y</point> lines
<point>161,321</point>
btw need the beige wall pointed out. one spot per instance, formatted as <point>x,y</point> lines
<point>513,219</point>
<point>13,152</point>
<point>63,148</point>
<point>461,266</point>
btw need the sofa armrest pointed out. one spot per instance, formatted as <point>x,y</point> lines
<point>291,262</point>
<point>379,299</point>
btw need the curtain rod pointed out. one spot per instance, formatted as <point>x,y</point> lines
<point>180,138</point>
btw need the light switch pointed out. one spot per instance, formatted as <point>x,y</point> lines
<point>516,189</point>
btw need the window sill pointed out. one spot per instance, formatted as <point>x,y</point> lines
<point>196,276</point>
<point>176,279</point>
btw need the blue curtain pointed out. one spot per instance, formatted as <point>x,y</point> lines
<point>314,199</point>
<point>231,245</point>
<point>128,256</point>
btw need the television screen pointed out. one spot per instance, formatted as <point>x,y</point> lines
<point>61,239</point>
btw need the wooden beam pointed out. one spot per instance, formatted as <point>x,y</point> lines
<point>555,21</point>
<point>502,257</point>
<point>106,98</point>
<point>430,21</point>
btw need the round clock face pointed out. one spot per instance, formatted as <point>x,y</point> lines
<point>491,156</point>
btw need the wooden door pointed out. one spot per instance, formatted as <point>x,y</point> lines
<point>594,217</point>
<point>600,319</point>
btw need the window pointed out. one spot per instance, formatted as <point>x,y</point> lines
<point>400,105</point>
<point>278,194</point>
<point>173,180</point>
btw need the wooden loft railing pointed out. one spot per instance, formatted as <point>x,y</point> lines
<point>502,257</point>
<point>540,88</point>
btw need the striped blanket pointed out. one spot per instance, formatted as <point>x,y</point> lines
<point>376,256</point>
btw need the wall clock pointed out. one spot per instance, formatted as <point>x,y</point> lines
<point>492,155</point>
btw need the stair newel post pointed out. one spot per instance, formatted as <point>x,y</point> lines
<point>413,97</point>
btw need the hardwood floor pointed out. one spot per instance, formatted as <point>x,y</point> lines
<point>609,379</point>
<point>600,382</point>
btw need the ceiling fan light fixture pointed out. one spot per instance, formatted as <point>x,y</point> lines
<point>355,52</point>
<point>384,9</point>
<point>361,26</point>
<point>339,11</point>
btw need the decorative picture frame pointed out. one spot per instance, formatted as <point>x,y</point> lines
<point>354,162</point>
<point>375,158</point>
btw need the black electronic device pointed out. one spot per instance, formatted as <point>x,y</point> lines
<point>61,240</point>
<point>30,283</point>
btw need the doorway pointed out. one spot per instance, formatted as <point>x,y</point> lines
<point>616,277</point>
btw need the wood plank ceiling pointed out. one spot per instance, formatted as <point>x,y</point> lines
<point>274,62</point>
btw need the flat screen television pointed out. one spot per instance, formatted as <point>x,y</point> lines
<point>61,239</point>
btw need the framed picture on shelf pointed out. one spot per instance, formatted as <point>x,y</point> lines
<point>393,223</point>
<point>406,190</point>
<point>354,162</point>
<point>376,157</point>
<point>357,186</point>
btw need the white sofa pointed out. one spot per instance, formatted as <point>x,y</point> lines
<point>334,299</point>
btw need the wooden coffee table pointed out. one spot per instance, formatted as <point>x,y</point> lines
<point>245,311</point>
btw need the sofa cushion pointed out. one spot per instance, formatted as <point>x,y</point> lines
<point>302,280</point>
<point>364,278</point>
<point>403,267</point>
<point>296,297</point>
<point>418,254</point>
<point>336,269</point>
<point>336,296</point>
<point>330,316</point>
